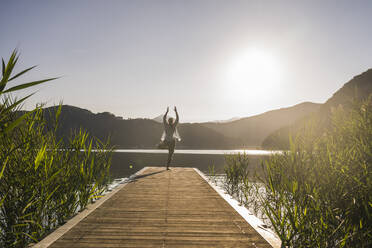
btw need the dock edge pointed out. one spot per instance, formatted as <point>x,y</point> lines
<point>252,220</point>
<point>60,231</point>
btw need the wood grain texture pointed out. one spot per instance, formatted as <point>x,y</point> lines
<point>175,208</point>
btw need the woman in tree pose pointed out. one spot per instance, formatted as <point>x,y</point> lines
<point>170,134</point>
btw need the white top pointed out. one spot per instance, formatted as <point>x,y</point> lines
<point>170,132</point>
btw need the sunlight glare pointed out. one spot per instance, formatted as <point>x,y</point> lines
<point>254,71</point>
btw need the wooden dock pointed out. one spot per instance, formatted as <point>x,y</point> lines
<point>160,208</point>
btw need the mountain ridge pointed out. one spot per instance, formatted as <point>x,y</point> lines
<point>254,129</point>
<point>358,88</point>
<point>146,133</point>
<point>262,130</point>
<point>133,133</point>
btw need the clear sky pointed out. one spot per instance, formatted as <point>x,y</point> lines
<point>213,59</point>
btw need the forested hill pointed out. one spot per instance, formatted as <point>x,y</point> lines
<point>136,133</point>
<point>270,129</point>
<point>253,130</point>
<point>146,133</point>
<point>358,88</point>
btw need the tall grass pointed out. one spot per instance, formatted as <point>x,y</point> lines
<point>240,181</point>
<point>319,194</point>
<point>237,172</point>
<point>43,181</point>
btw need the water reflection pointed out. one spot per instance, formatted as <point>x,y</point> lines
<point>127,162</point>
<point>220,152</point>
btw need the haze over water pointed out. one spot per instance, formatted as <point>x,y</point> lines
<point>217,152</point>
<point>126,162</point>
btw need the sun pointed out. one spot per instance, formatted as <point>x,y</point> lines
<point>255,72</point>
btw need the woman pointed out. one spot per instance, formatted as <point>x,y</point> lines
<point>170,134</point>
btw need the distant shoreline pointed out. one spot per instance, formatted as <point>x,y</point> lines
<point>201,151</point>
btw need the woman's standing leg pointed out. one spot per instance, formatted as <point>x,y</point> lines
<point>171,146</point>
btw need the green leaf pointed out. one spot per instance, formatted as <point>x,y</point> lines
<point>31,237</point>
<point>28,205</point>
<point>4,165</point>
<point>54,175</point>
<point>22,72</point>
<point>2,200</point>
<point>295,186</point>
<point>39,157</point>
<point>8,69</point>
<point>344,240</point>
<point>3,70</point>
<point>50,195</point>
<point>15,104</point>
<point>58,113</point>
<point>15,123</point>
<point>27,85</point>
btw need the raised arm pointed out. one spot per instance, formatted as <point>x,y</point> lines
<point>165,116</point>
<point>177,118</point>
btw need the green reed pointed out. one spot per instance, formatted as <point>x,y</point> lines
<point>319,193</point>
<point>46,181</point>
<point>212,173</point>
<point>237,172</point>
<point>43,180</point>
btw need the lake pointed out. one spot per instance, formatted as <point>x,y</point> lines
<point>126,162</point>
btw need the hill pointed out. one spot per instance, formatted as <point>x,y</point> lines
<point>358,88</point>
<point>158,118</point>
<point>135,133</point>
<point>251,131</point>
<point>270,129</point>
<point>146,133</point>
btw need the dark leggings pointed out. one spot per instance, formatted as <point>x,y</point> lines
<point>171,146</point>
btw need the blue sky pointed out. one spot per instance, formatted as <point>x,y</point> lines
<point>134,58</point>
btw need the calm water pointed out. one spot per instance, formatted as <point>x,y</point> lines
<point>127,162</point>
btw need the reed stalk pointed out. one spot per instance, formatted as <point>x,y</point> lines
<point>319,193</point>
<point>43,180</point>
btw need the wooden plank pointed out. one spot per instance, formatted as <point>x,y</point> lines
<point>160,208</point>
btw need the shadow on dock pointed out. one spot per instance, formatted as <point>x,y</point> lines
<point>146,175</point>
